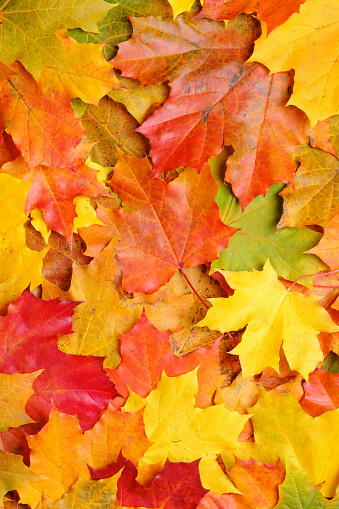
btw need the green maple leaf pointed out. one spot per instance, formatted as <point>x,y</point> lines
<point>27,30</point>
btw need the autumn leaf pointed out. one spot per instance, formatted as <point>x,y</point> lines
<point>316,72</point>
<point>299,489</point>
<point>181,432</point>
<point>178,486</point>
<point>116,27</point>
<point>258,240</point>
<point>29,333</point>
<point>282,429</point>
<point>87,74</point>
<point>108,126</point>
<point>275,318</point>
<point>15,390</point>
<point>178,227</point>
<point>272,14</point>
<point>321,393</point>
<point>195,103</point>
<point>42,124</point>
<point>328,247</point>
<point>29,35</point>
<point>98,286</point>
<point>315,182</point>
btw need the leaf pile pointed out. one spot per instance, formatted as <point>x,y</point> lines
<point>169,254</point>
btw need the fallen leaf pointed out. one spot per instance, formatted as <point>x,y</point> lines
<point>328,247</point>
<point>316,72</point>
<point>177,486</point>
<point>178,228</point>
<point>96,330</point>
<point>321,393</point>
<point>272,14</point>
<point>275,318</point>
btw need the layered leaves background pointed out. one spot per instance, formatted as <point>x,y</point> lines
<point>168,254</point>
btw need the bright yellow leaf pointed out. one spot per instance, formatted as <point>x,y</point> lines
<point>87,75</point>
<point>86,215</point>
<point>180,6</point>
<point>39,224</point>
<point>274,317</point>
<point>181,432</point>
<point>15,389</point>
<point>282,429</point>
<point>19,265</point>
<point>105,312</point>
<point>308,43</point>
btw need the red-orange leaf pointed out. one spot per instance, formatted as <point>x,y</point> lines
<point>215,99</point>
<point>164,227</point>
<point>43,125</point>
<point>178,486</point>
<point>273,13</point>
<point>321,393</point>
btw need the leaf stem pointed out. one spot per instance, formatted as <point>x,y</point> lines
<point>190,284</point>
<point>314,275</point>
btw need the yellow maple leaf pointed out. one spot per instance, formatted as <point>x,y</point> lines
<point>87,75</point>
<point>181,432</point>
<point>275,316</point>
<point>282,429</point>
<point>299,44</point>
<point>96,328</point>
<point>19,265</point>
<point>180,6</point>
<point>15,389</point>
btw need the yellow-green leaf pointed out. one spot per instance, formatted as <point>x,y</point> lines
<point>274,317</point>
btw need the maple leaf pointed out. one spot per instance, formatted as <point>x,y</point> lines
<point>178,486</point>
<point>315,184</point>
<point>87,74</point>
<point>28,35</point>
<point>20,266</point>
<point>328,247</point>
<point>316,73</point>
<point>191,127</point>
<point>146,352</point>
<point>321,393</point>
<point>14,475</point>
<point>273,14</point>
<point>116,27</point>
<point>180,223</point>
<point>320,136</point>
<point>98,285</point>
<point>299,489</point>
<point>275,318</point>
<point>282,429</point>
<point>43,126</point>
<point>75,385</point>
<point>181,432</point>
<point>258,481</point>
<point>116,432</point>
<point>29,333</point>
<point>15,390</point>
<point>258,240</point>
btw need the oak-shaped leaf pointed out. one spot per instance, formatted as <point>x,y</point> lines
<point>258,240</point>
<point>42,124</point>
<point>316,182</point>
<point>316,73</point>
<point>276,318</point>
<point>181,432</point>
<point>283,430</point>
<point>164,227</point>
<point>29,332</point>
<point>28,34</point>
<point>274,14</point>
<point>178,486</point>
<point>207,81</point>
<point>96,329</point>
<point>298,491</point>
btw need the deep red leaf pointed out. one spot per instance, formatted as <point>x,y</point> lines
<point>321,392</point>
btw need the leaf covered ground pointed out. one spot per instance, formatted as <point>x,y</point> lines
<point>169,239</point>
